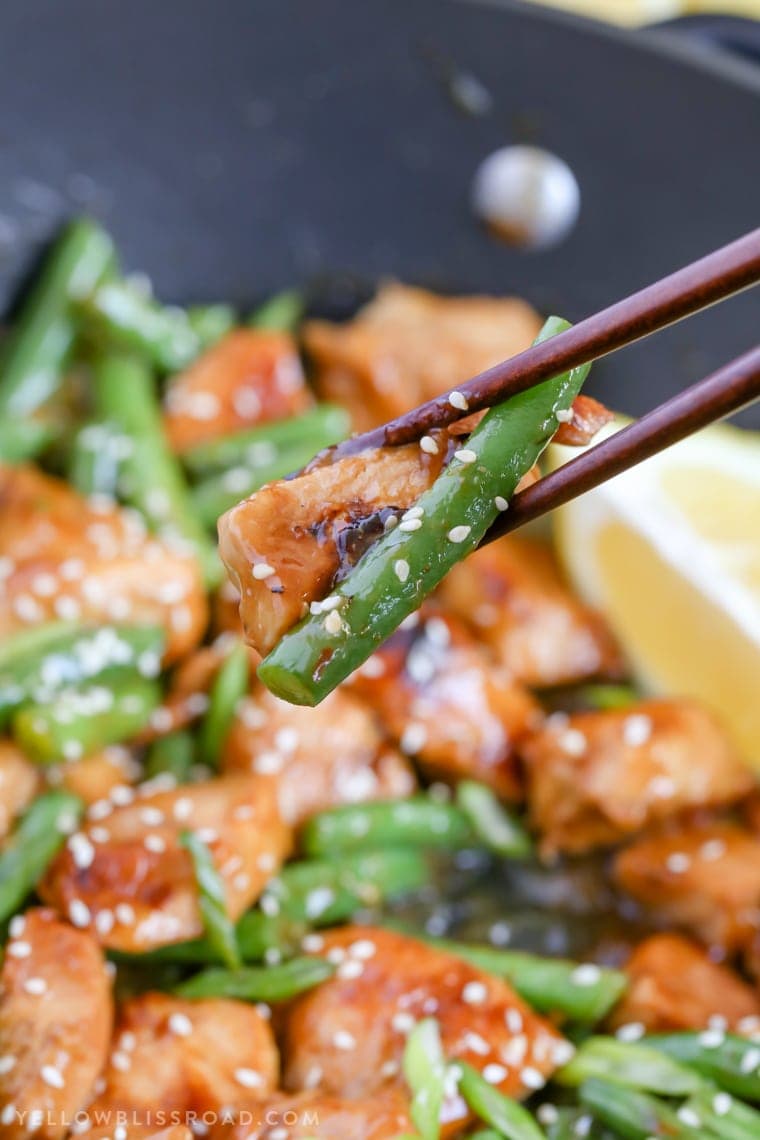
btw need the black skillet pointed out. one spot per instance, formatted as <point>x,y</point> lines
<point>235,146</point>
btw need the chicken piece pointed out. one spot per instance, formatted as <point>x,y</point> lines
<point>19,782</point>
<point>596,777</point>
<point>172,1059</point>
<point>705,878</point>
<point>96,776</point>
<point>128,878</point>
<point>63,556</point>
<point>674,985</point>
<point>302,535</point>
<point>346,1037</point>
<point>56,1013</point>
<point>408,345</point>
<point>313,1116</point>
<point>319,757</point>
<point>512,595</point>
<point>437,691</point>
<point>248,377</point>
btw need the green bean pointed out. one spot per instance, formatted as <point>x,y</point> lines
<point>172,755</point>
<point>497,829</point>
<point>78,721</point>
<point>321,892</point>
<point>68,654</point>
<point>732,1062</point>
<point>119,316</point>
<point>720,1114</point>
<point>634,1115</point>
<point>580,992</point>
<point>607,697</point>
<point>415,822</point>
<point>425,1073</point>
<point>37,351</point>
<point>125,395</point>
<point>633,1064</point>
<point>211,322</point>
<point>508,1117</point>
<point>21,440</point>
<point>212,901</point>
<point>34,844</point>
<point>268,983</point>
<point>267,451</point>
<point>97,458</point>
<point>281,313</point>
<point>484,1134</point>
<point>229,687</point>
<point>258,936</point>
<point>394,576</point>
<point>37,639</point>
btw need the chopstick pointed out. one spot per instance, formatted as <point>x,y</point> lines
<point>725,391</point>
<point>713,278</point>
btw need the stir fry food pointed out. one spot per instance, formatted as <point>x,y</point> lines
<point>371,838</point>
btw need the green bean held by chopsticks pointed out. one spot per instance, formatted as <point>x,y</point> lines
<point>125,395</point>
<point>424,1069</point>
<point>212,902</point>
<point>281,313</point>
<point>416,822</point>
<point>35,842</point>
<point>35,357</point>
<point>268,983</point>
<point>634,1115</point>
<point>633,1064</point>
<point>580,992</point>
<point>70,654</point>
<point>227,690</point>
<point>394,576</point>
<point>732,1062</point>
<point>118,316</point>
<point>497,829</point>
<point>507,1116</point>
<point>76,722</point>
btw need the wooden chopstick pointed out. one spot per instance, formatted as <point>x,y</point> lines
<point>713,278</point>
<point>719,395</point>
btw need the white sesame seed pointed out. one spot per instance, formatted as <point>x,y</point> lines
<point>500,503</point>
<point>564,415</point>
<point>313,943</point>
<point>513,1020</point>
<point>573,742</point>
<point>428,444</point>
<point>459,533</point>
<point>750,1061</point>
<point>587,974</point>
<point>413,738</point>
<point>350,969</point>
<point>180,1025</point>
<point>7,1063</point>
<point>637,730</point>
<point>722,1103</point>
<point>466,455</point>
<point>458,400</point>
<point>52,1076</point>
<point>82,850</point>
<point>8,1114</point>
<point>35,986</point>
<point>333,623</point>
<point>410,525</point>
<point>155,844</point>
<point>79,913</point>
<point>125,914</point>
<point>344,1040</point>
<point>121,1061</point>
<point>631,1031</point>
<point>263,570</point>
<point>403,1022</point>
<point>678,862</point>
<point>711,1038</point>
<point>474,993</point>
<point>711,850</point>
<point>18,949</point>
<point>532,1078</point>
<point>401,569</point>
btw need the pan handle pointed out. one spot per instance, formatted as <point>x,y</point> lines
<point>732,34</point>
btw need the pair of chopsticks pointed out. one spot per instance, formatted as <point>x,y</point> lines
<point>714,278</point>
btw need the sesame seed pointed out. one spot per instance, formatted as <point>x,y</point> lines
<point>586,975</point>
<point>35,986</point>
<point>18,949</point>
<point>458,400</point>
<point>459,533</point>
<point>413,738</point>
<point>500,503</point>
<point>474,993</point>
<point>750,1061</point>
<point>513,1020</point>
<point>678,863</point>
<point>413,513</point>
<point>7,1063</point>
<point>403,1022</point>
<point>410,525</point>
<point>637,730</point>
<point>531,1078</point>
<point>573,742</point>
<point>564,415</point>
<point>344,1040</point>
<point>52,1076</point>
<point>363,949</point>
<point>333,623</point>
<point>351,969</point>
<point>8,1114</point>
<point>495,1073</point>
<point>631,1031</point>
<point>82,850</point>
<point>722,1103</point>
<point>711,850</point>
<point>711,1038</point>
<point>263,570</point>
<point>122,1062</point>
<point>155,844</point>
<point>180,1024</point>
<point>401,569</point>
<point>428,444</point>
<point>313,943</point>
<point>79,913</point>
<point>466,455</point>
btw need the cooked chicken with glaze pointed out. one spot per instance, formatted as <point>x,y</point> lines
<point>459,897</point>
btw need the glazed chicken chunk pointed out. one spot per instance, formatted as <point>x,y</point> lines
<point>247,378</point>
<point>675,985</point>
<point>595,778</point>
<point>127,877</point>
<point>186,1058</point>
<point>64,557</point>
<point>319,757</point>
<point>55,1025</point>
<point>512,596</point>
<point>440,695</point>
<point>346,1038</point>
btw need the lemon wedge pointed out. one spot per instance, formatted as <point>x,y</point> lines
<point>670,551</point>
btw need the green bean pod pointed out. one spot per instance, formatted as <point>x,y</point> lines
<point>728,1061</point>
<point>416,822</point>
<point>632,1064</point>
<point>281,313</point>
<point>507,1116</point>
<point>496,828</point>
<point>269,983</point>
<point>229,687</point>
<point>119,316</point>
<point>34,844</point>
<point>212,902</point>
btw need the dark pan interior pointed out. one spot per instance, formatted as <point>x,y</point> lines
<point>236,147</point>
